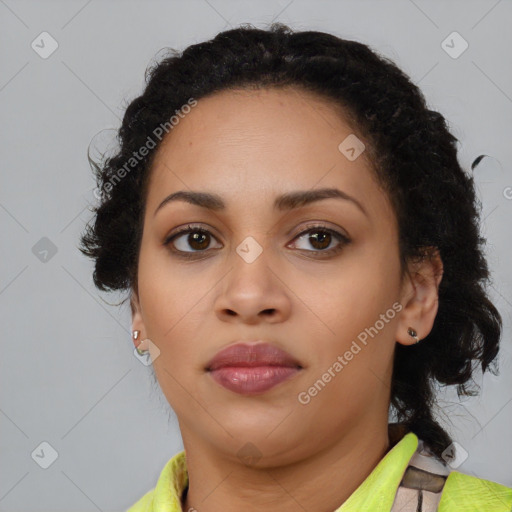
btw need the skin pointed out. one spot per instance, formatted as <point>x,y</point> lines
<point>249,147</point>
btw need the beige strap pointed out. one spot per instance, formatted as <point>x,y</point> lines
<point>422,483</point>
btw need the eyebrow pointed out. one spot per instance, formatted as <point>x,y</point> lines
<point>287,201</point>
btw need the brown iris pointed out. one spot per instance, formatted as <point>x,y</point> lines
<point>200,238</point>
<point>320,237</point>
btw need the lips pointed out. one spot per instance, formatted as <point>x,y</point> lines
<point>252,368</point>
<point>252,354</point>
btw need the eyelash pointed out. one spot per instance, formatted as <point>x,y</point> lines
<point>311,228</point>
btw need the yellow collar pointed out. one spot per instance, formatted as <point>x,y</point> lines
<point>376,493</point>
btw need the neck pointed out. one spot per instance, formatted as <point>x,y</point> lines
<point>321,482</point>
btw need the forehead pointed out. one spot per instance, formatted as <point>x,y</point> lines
<point>250,145</point>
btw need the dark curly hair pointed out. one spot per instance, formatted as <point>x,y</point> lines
<point>413,156</point>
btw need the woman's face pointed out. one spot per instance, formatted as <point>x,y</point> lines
<point>328,295</point>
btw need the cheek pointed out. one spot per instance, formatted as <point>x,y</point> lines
<point>354,315</point>
<point>352,293</point>
<point>171,304</point>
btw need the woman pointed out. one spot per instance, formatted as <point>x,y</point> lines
<point>301,250</point>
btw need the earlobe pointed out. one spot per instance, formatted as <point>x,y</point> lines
<point>137,323</point>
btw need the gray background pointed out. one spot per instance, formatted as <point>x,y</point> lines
<point>68,373</point>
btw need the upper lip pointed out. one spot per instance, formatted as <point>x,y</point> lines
<point>252,354</point>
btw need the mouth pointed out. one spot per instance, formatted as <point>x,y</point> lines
<point>252,368</point>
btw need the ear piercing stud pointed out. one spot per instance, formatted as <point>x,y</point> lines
<point>135,335</point>
<point>413,334</point>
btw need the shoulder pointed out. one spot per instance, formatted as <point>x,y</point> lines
<point>166,495</point>
<point>473,494</point>
<point>144,504</point>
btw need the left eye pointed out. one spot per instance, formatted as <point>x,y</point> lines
<point>197,238</point>
<point>321,239</point>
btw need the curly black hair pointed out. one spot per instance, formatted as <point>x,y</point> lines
<point>413,156</point>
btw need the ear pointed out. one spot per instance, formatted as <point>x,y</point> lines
<point>419,297</point>
<point>137,322</point>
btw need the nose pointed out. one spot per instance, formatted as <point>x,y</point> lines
<point>253,292</point>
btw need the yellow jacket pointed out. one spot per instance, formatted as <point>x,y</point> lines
<point>408,478</point>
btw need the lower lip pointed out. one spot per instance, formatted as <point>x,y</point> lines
<point>247,380</point>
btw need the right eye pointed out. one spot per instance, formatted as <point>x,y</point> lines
<point>197,238</point>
